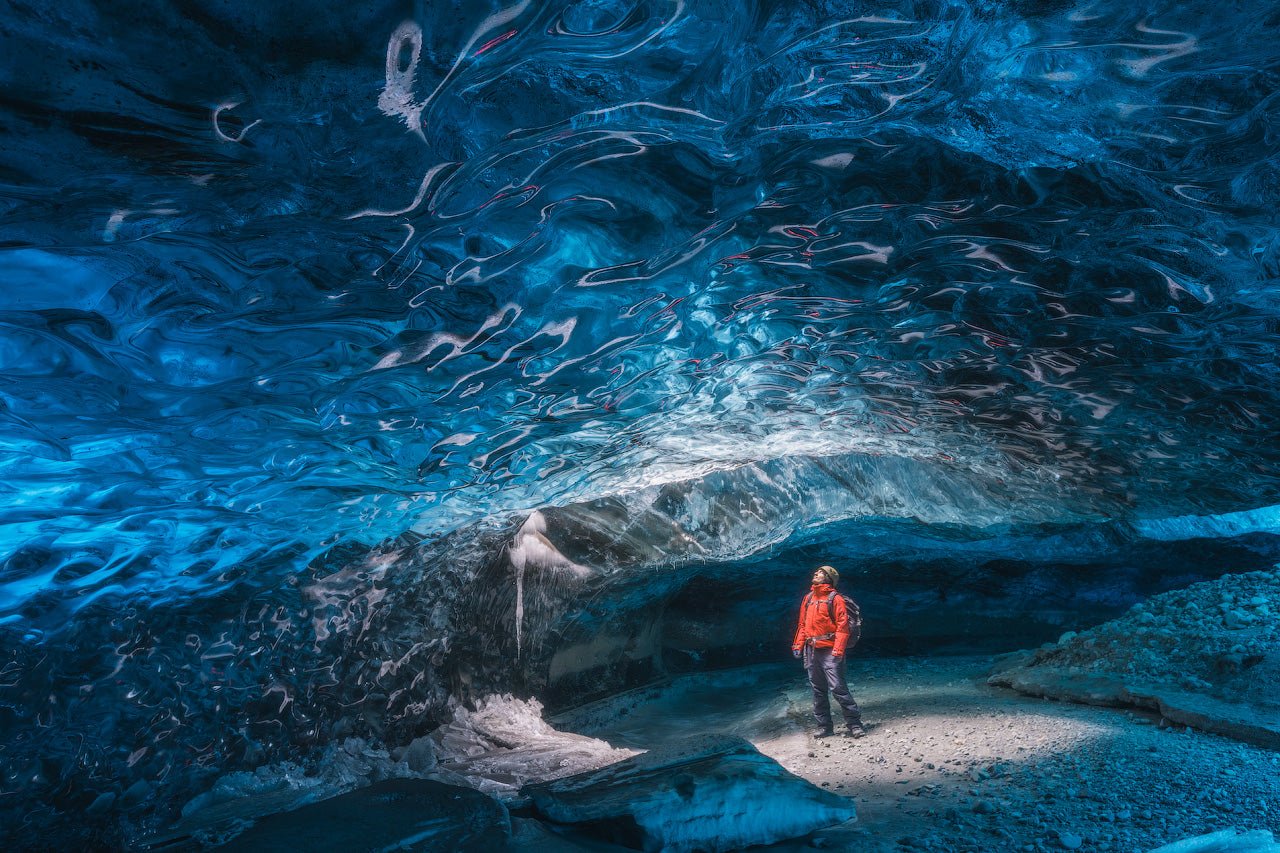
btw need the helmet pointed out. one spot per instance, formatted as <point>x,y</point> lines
<point>833,577</point>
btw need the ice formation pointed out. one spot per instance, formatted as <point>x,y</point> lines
<point>500,746</point>
<point>505,743</point>
<point>713,793</point>
<point>1225,841</point>
<point>361,359</point>
<point>531,550</point>
<point>554,272</point>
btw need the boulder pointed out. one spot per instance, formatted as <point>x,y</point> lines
<point>710,793</point>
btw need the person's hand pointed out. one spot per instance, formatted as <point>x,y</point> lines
<point>795,653</point>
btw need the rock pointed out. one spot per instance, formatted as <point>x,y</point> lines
<point>1237,619</point>
<point>703,793</point>
<point>420,755</point>
<point>400,814</point>
<point>1070,841</point>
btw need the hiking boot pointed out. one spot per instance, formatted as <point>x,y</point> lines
<point>856,731</point>
<point>825,733</point>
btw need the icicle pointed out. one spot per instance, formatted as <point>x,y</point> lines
<point>518,562</point>
<point>532,549</point>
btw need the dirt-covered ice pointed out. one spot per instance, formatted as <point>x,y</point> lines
<point>1206,656</point>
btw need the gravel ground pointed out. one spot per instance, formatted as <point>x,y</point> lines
<point>952,764</point>
<point>1221,637</point>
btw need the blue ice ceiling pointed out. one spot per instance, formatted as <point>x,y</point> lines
<point>282,277</point>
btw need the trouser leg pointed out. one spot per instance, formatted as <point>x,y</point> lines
<point>818,681</point>
<point>833,669</point>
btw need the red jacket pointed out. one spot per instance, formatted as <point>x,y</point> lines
<point>815,623</point>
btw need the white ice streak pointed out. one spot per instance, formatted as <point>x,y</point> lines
<point>397,94</point>
<point>413,205</point>
<point>217,129</point>
<point>531,549</point>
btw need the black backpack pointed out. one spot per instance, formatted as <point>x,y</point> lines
<point>855,616</point>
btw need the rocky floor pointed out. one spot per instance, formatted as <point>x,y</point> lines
<point>1207,656</point>
<point>952,764</point>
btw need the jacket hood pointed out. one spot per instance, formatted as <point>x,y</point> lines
<point>822,589</point>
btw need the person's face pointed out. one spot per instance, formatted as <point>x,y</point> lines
<point>819,577</point>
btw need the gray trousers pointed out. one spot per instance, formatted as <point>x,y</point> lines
<point>826,672</point>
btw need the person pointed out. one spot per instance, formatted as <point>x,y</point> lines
<point>826,623</point>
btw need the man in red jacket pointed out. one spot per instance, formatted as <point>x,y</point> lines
<point>826,622</point>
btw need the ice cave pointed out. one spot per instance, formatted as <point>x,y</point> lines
<point>442,424</point>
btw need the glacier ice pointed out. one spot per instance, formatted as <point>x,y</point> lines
<point>558,270</point>
<point>708,792</point>
<point>505,743</point>
<point>1224,841</point>
<point>530,549</point>
<point>355,358</point>
<point>1265,519</point>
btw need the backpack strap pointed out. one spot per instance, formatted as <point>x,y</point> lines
<point>831,610</point>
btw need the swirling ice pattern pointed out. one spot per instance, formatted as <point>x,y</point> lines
<point>277,281</point>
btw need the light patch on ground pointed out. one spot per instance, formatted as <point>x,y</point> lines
<point>954,765</point>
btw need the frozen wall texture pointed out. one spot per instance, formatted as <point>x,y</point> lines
<point>305,307</point>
